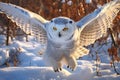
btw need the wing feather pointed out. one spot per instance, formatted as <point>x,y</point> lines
<point>94,25</point>
<point>29,22</point>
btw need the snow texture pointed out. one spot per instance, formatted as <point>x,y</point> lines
<point>41,73</point>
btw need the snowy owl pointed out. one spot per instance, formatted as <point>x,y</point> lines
<point>65,39</point>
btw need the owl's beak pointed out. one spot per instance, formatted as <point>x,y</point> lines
<point>59,34</point>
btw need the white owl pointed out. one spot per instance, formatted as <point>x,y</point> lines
<point>65,38</point>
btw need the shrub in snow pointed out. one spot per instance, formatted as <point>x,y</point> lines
<point>13,53</point>
<point>9,55</point>
<point>4,55</point>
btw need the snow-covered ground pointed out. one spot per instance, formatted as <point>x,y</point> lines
<point>30,65</point>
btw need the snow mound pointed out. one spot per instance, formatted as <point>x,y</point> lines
<point>85,74</point>
<point>43,73</point>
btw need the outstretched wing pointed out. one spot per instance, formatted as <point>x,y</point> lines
<point>28,21</point>
<point>94,25</point>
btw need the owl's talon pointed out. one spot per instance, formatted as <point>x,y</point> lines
<point>67,66</point>
<point>56,70</point>
<point>70,68</point>
<point>60,69</point>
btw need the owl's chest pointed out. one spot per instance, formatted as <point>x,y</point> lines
<point>60,50</point>
<point>65,47</point>
<point>61,46</point>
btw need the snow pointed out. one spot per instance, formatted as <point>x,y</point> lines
<point>3,56</point>
<point>69,2</point>
<point>62,1</point>
<point>31,65</point>
<point>40,73</point>
<point>2,40</point>
<point>88,1</point>
<point>99,6</point>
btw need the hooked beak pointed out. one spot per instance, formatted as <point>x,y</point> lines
<point>59,34</point>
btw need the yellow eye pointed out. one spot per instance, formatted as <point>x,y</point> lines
<point>54,28</point>
<point>65,29</point>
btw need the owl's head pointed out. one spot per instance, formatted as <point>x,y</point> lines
<point>61,29</point>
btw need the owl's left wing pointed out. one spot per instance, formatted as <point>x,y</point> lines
<point>94,25</point>
<point>29,22</point>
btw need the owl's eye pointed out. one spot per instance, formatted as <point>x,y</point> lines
<point>54,28</point>
<point>65,29</point>
<point>70,22</point>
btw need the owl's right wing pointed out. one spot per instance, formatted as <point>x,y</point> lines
<point>94,25</point>
<point>29,22</point>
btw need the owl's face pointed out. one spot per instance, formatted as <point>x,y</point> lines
<point>61,29</point>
